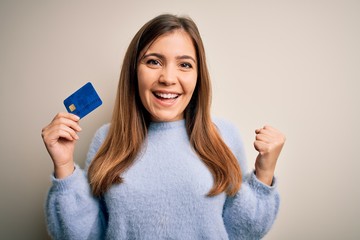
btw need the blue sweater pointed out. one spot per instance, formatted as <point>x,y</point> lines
<point>163,195</point>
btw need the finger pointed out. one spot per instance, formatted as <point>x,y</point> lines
<point>67,135</point>
<point>264,138</point>
<point>268,130</point>
<point>72,124</point>
<point>67,122</point>
<point>272,130</point>
<point>53,137</point>
<point>268,127</point>
<point>66,115</point>
<point>260,146</point>
<point>62,131</point>
<point>265,129</point>
<point>261,129</point>
<point>70,131</point>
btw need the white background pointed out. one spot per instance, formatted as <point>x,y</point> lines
<point>292,64</point>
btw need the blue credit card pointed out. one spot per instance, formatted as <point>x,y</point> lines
<point>83,101</point>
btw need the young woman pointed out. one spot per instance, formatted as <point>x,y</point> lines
<point>162,169</point>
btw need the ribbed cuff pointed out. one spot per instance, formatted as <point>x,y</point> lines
<point>260,187</point>
<point>76,180</point>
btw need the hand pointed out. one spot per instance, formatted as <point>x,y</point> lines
<point>60,137</point>
<point>269,142</point>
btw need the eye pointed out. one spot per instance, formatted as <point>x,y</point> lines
<point>186,65</point>
<point>153,62</point>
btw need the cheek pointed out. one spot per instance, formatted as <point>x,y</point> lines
<point>146,78</point>
<point>140,77</point>
<point>142,86</point>
<point>190,84</point>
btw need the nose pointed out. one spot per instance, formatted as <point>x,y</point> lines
<point>168,76</point>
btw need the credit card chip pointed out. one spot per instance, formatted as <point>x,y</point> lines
<point>72,107</point>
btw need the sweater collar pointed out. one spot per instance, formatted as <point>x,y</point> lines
<point>167,125</point>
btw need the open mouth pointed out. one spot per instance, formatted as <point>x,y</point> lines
<point>166,96</point>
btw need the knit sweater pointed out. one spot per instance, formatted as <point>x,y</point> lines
<point>163,195</point>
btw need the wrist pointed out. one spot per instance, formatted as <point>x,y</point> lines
<point>265,177</point>
<point>64,171</point>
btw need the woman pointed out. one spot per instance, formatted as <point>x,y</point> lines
<point>162,169</point>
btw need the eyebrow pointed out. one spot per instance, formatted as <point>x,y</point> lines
<point>163,57</point>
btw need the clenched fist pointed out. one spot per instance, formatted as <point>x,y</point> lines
<point>268,142</point>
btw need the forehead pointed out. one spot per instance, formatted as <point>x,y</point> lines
<point>177,42</point>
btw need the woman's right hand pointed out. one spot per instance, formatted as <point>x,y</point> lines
<point>60,137</point>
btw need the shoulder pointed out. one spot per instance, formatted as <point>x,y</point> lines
<point>223,124</point>
<point>228,131</point>
<point>97,141</point>
<point>232,138</point>
<point>102,132</point>
<point>100,136</point>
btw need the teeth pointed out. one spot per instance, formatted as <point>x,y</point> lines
<point>166,95</point>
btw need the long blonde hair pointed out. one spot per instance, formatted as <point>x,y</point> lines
<point>130,120</point>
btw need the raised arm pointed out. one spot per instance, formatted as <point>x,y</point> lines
<point>252,211</point>
<point>71,210</point>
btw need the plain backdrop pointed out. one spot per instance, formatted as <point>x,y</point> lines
<point>291,64</point>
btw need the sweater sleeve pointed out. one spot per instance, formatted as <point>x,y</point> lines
<point>72,212</point>
<point>252,211</point>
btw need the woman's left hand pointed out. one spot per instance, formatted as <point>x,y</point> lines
<point>269,142</point>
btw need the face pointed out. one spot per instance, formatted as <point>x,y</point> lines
<point>167,75</point>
